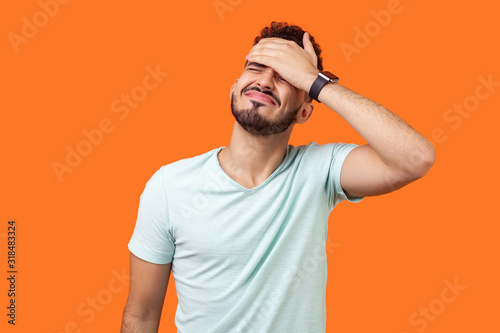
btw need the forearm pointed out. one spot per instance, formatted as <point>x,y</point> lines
<point>397,144</point>
<point>138,324</point>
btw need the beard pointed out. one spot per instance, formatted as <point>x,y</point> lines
<point>255,123</point>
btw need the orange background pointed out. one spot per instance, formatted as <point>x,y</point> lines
<point>393,252</point>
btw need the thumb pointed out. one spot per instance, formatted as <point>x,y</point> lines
<point>309,47</point>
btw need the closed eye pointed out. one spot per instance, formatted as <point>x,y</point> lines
<point>279,78</point>
<point>255,67</point>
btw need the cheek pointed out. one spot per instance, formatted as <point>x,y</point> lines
<point>292,98</point>
<point>239,87</point>
<point>300,97</point>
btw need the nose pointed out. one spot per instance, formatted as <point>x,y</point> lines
<point>266,79</point>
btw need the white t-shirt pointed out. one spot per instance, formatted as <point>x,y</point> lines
<point>244,260</point>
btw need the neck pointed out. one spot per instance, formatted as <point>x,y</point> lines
<point>252,159</point>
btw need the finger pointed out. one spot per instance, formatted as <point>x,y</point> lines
<point>276,43</point>
<point>307,44</point>
<point>273,40</point>
<point>268,50</point>
<point>270,46</point>
<point>261,59</point>
<point>309,48</point>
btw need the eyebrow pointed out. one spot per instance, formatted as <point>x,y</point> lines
<point>256,64</point>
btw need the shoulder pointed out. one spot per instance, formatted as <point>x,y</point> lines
<point>179,169</point>
<point>327,150</point>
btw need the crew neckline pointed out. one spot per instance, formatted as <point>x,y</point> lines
<point>238,185</point>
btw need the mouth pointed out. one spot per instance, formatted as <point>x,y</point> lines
<point>262,97</point>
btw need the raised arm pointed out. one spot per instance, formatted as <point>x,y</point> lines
<point>395,155</point>
<point>148,286</point>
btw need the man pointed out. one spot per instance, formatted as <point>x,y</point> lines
<point>244,227</point>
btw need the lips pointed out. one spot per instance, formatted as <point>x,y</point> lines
<point>262,97</point>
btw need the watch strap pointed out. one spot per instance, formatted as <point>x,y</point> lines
<point>318,84</point>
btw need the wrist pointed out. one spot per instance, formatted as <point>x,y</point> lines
<point>308,81</point>
<point>323,78</point>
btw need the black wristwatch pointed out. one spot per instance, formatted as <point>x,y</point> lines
<point>318,84</point>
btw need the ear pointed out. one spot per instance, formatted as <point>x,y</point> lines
<point>232,89</point>
<point>305,112</point>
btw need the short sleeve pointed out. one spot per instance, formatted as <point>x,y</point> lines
<point>152,238</point>
<point>335,192</point>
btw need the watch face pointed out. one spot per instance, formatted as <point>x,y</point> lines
<point>332,77</point>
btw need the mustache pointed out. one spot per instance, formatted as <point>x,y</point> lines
<point>267,92</point>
